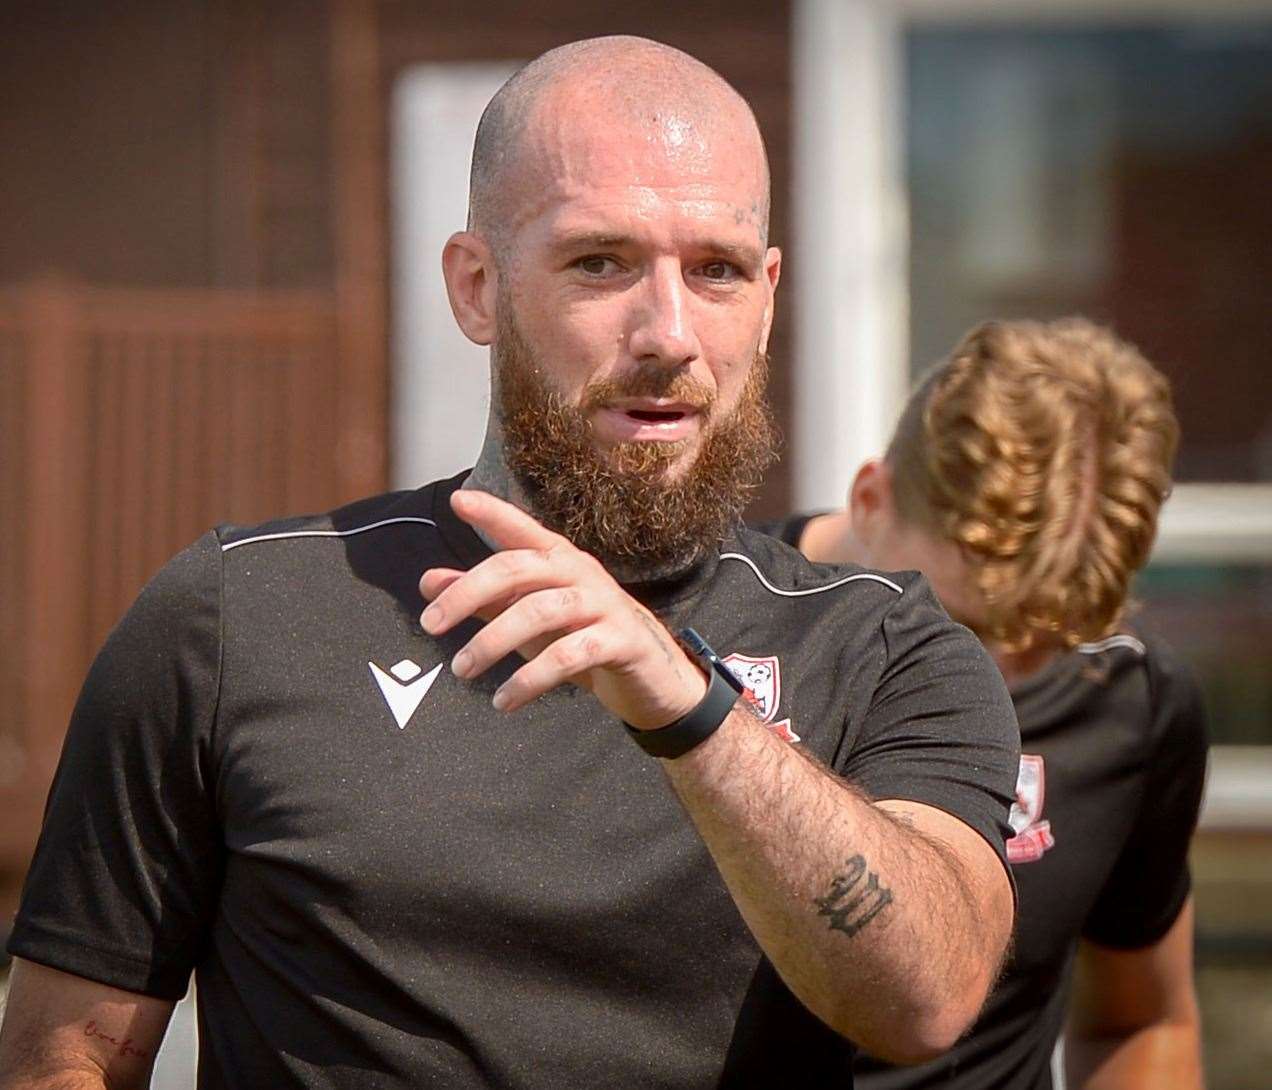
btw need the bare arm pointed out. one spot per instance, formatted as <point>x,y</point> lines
<point>1134,1022</point>
<point>886,919</point>
<point>62,1032</point>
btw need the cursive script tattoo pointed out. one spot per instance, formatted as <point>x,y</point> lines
<point>125,1047</point>
<point>851,902</point>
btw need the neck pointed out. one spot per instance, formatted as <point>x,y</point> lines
<point>491,473</point>
<point>829,539</point>
<point>1016,666</point>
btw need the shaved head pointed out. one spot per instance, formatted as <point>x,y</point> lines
<point>661,95</point>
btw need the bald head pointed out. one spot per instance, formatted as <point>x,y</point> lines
<point>660,95</point>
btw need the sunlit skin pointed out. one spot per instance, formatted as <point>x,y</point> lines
<point>636,246</point>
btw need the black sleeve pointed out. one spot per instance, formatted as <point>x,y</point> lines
<point>127,869</point>
<point>1150,881</point>
<point>941,728</point>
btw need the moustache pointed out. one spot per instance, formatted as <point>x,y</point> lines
<point>650,381</point>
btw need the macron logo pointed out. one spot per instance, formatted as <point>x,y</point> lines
<point>404,688</point>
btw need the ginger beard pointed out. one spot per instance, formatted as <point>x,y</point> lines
<point>623,504</point>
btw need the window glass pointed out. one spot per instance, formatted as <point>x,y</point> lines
<point>1122,172</point>
<point>1219,619</point>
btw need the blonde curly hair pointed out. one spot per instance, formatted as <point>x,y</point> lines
<point>1044,450</point>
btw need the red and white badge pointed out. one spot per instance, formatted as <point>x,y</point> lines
<point>761,680</point>
<point>1033,835</point>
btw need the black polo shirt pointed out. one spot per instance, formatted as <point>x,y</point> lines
<point>272,778</point>
<point>1114,758</point>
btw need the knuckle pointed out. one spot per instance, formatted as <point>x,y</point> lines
<point>543,607</point>
<point>568,655</point>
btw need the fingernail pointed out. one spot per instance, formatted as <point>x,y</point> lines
<point>432,616</point>
<point>461,664</point>
<point>501,699</point>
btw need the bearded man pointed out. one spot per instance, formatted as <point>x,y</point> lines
<point>533,838</point>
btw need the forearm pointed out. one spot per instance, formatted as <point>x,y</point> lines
<point>53,1080</point>
<point>62,1032</point>
<point>1163,1056</point>
<point>31,1063</point>
<point>871,923</point>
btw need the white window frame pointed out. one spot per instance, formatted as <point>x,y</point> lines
<point>849,262</point>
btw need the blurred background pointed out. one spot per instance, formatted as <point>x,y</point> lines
<point>220,228</point>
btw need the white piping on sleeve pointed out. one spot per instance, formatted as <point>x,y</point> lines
<point>1109,642</point>
<point>326,533</point>
<point>810,590</point>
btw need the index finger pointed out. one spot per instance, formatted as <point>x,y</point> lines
<point>505,524</point>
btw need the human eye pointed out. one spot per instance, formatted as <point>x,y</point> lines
<point>596,265</point>
<point>719,271</point>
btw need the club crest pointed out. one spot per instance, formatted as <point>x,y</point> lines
<point>1033,835</point>
<point>761,682</point>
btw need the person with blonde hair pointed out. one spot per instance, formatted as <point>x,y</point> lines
<point>1024,479</point>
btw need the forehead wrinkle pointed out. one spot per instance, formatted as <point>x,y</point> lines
<point>593,185</point>
<point>664,99</point>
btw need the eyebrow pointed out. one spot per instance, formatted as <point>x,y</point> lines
<point>590,240</point>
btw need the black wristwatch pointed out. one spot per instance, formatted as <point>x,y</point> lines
<point>698,724</point>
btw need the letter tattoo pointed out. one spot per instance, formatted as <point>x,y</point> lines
<point>850,914</point>
<point>125,1047</point>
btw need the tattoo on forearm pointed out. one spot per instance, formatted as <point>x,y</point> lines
<point>659,633</point>
<point>124,1047</point>
<point>855,898</point>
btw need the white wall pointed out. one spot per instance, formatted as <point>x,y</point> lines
<point>440,380</point>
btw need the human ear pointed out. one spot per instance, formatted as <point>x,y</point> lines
<point>870,501</point>
<point>468,267</point>
<point>772,274</point>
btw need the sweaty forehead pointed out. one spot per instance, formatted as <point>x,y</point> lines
<point>643,127</point>
<point>653,160</point>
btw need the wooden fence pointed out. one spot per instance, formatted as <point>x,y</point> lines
<point>130,422</point>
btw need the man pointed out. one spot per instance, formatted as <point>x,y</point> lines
<point>1025,479</point>
<point>405,853</point>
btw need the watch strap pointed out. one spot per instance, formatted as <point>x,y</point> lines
<point>699,723</point>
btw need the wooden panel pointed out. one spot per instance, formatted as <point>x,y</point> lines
<point>130,422</point>
<point>13,561</point>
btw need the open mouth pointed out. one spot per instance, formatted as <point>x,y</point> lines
<point>633,420</point>
<point>657,416</point>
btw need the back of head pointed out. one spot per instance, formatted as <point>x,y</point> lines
<point>1045,451</point>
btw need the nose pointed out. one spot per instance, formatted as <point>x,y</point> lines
<point>663,330</point>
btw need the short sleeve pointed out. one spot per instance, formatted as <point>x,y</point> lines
<point>1150,881</point>
<point>941,729</point>
<point>127,869</point>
